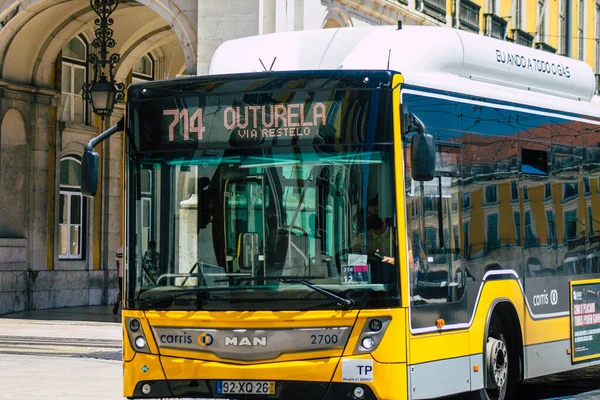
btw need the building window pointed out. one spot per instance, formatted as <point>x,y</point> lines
<point>530,238</point>
<point>586,186</point>
<point>517,218</point>
<point>570,190</point>
<point>551,228</point>
<point>547,191</point>
<point>456,242</point>
<point>433,8</point>
<point>581,30</point>
<point>71,213</point>
<point>571,225</point>
<point>143,70</point>
<point>465,199</point>
<point>491,194</point>
<point>468,16</point>
<point>523,38</point>
<point>541,23</point>
<point>147,212</point>
<point>495,26</point>
<point>562,27</point>
<point>514,191</point>
<point>74,75</point>
<point>492,233</point>
<point>467,244</point>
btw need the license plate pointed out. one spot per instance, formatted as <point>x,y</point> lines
<point>245,387</point>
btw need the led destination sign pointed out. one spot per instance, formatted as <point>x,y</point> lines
<point>250,122</point>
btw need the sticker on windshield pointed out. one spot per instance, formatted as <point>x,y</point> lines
<point>357,270</point>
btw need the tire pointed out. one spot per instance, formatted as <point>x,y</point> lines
<point>497,361</point>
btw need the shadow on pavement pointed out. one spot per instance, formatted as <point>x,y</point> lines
<point>102,313</point>
<point>564,385</point>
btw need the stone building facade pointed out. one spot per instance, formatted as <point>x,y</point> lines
<point>57,248</point>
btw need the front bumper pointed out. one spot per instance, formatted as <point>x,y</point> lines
<point>174,377</point>
<point>288,390</point>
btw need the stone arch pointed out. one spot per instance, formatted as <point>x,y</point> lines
<point>13,175</point>
<point>137,48</point>
<point>60,21</point>
<point>336,17</point>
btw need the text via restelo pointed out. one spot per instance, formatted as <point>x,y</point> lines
<point>532,64</point>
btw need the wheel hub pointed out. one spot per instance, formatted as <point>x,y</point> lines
<point>497,362</point>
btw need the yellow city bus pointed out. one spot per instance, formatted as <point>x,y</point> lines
<point>360,213</point>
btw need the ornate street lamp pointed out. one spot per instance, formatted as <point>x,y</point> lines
<point>103,92</point>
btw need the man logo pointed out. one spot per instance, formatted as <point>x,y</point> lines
<point>205,339</point>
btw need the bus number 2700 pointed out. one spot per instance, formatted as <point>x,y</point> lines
<point>323,339</point>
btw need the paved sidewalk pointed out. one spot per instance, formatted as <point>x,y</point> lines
<point>67,354</point>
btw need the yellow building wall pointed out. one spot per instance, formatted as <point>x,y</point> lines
<point>506,221</point>
<point>530,23</point>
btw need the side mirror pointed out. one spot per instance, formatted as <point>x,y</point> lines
<point>422,154</point>
<point>422,157</point>
<point>248,252</point>
<point>89,172</point>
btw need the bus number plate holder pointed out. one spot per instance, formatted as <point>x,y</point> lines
<point>245,387</point>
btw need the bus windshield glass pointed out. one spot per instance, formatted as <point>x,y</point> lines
<point>278,197</point>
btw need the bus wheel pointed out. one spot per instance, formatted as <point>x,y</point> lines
<point>497,363</point>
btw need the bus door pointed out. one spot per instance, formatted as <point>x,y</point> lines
<point>438,284</point>
<point>245,203</point>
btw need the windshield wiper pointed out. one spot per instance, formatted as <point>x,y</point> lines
<point>346,304</point>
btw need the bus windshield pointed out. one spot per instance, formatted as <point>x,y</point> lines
<point>262,200</point>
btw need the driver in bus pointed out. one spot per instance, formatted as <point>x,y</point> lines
<point>378,238</point>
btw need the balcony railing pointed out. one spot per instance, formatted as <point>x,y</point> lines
<point>469,16</point>
<point>522,37</point>
<point>495,26</point>
<point>433,8</point>
<point>545,47</point>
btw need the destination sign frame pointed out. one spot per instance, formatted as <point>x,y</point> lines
<point>251,114</point>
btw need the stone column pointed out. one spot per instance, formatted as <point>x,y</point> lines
<point>221,20</point>
<point>111,211</point>
<point>24,161</point>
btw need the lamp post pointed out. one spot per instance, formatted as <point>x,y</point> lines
<point>103,92</point>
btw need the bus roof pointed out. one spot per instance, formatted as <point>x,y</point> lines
<point>432,57</point>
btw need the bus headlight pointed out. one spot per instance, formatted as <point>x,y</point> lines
<point>375,325</point>
<point>140,342</point>
<point>136,335</point>
<point>134,324</point>
<point>372,334</point>
<point>368,343</point>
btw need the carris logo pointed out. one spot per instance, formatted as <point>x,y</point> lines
<point>245,341</point>
<point>577,295</point>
